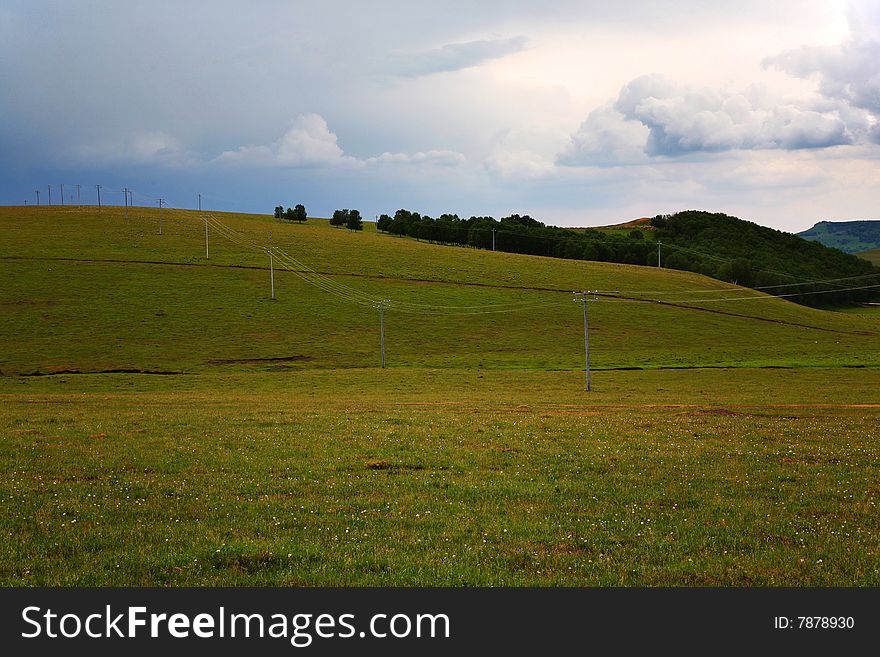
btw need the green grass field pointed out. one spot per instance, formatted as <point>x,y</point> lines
<point>724,442</point>
<point>872,255</point>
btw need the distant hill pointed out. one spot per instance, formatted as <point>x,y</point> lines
<point>735,250</point>
<point>848,236</point>
<point>871,256</point>
<point>643,223</point>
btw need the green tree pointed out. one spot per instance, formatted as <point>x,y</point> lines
<point>339,218</point>
<point>289,215</point>
<point>279,211</point>
<point>354,221</point>
<point>737,271</point>
<point>299,213</point>
<point>384,222</point>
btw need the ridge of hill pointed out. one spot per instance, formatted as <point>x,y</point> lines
<point>641,223</point>
<point>847,236</point>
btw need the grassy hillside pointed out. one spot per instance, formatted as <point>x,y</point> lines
<point>714,244</point>
<point>873,256</point>
<point>272,450</point>
<point>96,292</point>
<point>848,236</point>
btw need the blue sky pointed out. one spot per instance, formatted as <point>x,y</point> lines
<point>579,113</point>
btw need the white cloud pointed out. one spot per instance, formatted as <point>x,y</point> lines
<point>518,164</point>
<point>525,153</point>
<point>654,116</point>
<point>682,119</point>
<point>606,138</point>
<point>848,72</point>
<point>434,157</point>
<point>308,143</point>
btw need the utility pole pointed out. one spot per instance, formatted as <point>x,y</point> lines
<point>583,299</point>
<point>78,204</point>
<point>493,239</point>
<point>206,239</point>
<point>98,187</point>
<point>49,202</point>
<point>62,193</point>
<point>125,200</point>
<point>381,305</point>
<point>658,254</point>
<point>161,214</point>
<point>37,192</point>
<point>271,271</point>
<point>200,202</point>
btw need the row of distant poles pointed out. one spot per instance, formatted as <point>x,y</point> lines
<point>128,201</point>
<point>127,193</point>
<point>78,195</point>
<point>128,196</point>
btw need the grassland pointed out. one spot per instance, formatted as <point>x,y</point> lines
<point>744,451</point>
<point>872,255</point>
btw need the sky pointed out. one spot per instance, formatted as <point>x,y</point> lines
<point>576,112</point>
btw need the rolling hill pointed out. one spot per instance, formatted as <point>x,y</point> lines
<point>848,236</point>
<point>96,292</point>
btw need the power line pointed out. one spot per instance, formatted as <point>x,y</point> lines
<point>350,294</point>
<point>734,289</point>
<point>271,271</point>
